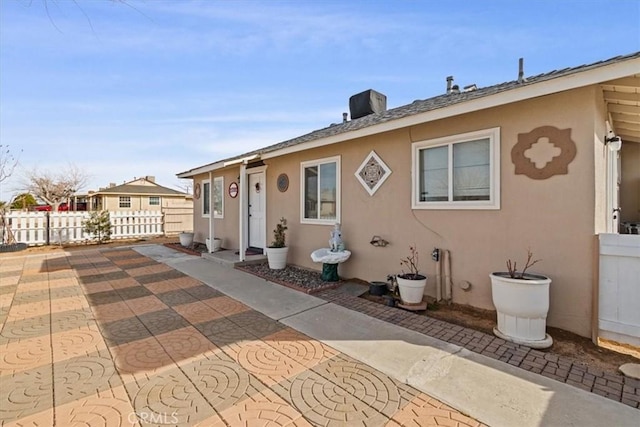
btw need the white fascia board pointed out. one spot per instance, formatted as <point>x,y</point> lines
<point>200,170</point>
<point>243,160</point>
<point>547,87</point>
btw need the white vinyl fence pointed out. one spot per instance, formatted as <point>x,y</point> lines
<point>31,227</point>
<point>619,288</point>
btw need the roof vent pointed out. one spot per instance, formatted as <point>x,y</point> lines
<point>344,117</point>
<point>470,88</point>
<point>455,89</point>
<point>367,102</point>
<point>449,83</point>
<point>521,77</point>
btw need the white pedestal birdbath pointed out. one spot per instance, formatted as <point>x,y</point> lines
<point>330,261</point>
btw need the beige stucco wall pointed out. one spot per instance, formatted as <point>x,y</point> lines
<point>141,203</point>
<point>554,217</point>
<point>630,182</point>
<point>225,228</point>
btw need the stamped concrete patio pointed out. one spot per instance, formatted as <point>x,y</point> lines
<point>112,337</point>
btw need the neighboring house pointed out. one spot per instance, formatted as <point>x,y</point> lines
<point>139,194</point>
<point>485,173</point>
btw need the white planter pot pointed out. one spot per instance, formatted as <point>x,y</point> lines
<point>411,290</point>
<point>186,239</point>
<point>522,306</point>
<point>217,243</point>
<point>277,258</point>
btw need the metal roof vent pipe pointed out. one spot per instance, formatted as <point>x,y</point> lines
<point>455,89</point>
<point>449,83</point>
<point>344,117</point>
<point>367,102</point>
<point>521,78</point>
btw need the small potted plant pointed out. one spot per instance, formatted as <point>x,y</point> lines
<point>277,251</point>
<point>186,238</point>
<point>217,243</point>
<point>522,302</point>
<point>411,284</point>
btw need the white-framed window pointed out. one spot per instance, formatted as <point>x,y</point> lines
<point>125,202</point>
<point>457,172</point>
<point>320,191</point>
<point>206,198</point>
<point>218,197</point>
<point>154,200</point>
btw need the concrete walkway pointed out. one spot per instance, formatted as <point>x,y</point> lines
<point>113,337</point>
<point>488,390</point>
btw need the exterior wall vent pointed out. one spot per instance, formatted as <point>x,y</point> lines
<point>367,102</point>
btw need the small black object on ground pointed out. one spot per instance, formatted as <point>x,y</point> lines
<point>13,247</point>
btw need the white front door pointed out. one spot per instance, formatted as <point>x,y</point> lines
<point>257,217</point>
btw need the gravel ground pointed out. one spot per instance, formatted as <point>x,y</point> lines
<point>295,277</point>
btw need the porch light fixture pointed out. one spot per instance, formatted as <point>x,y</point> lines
<point>614,143</point>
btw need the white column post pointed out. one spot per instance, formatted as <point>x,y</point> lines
<point>244,211</point>
<point>211,227</point>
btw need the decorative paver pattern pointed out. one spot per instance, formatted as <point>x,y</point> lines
<point>110,337</point>
<point>611,385</point>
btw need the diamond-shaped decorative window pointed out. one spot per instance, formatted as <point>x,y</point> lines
<point>372,173</point>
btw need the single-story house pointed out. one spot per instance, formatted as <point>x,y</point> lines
<point>136,195</point>
<point>542,162</point>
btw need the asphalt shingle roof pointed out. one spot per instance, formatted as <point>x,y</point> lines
<point>141,189</point>
<point>423,106</point>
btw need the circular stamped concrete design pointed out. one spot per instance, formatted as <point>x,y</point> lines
<point>127,341</point>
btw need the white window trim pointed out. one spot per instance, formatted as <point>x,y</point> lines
<point>120,200</point>
<point>202,196</point>
<point>318,162</point>
<point>494,171</point>
<point>221,214</point>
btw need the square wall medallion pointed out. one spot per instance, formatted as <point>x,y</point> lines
<point>372,173</point>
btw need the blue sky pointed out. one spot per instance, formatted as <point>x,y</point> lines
<point>156,87</point>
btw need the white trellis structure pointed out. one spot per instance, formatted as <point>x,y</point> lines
<point>66,227</point>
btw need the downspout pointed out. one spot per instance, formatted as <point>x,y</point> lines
<point>210,211</point>
<point>447,276</point>
<point>244,211</point>
<point>438,276</point>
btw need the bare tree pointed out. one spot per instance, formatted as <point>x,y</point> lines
<point>51,4</point>
<point>54,189</point>
<point>186,185</point>
<point>8,162</point>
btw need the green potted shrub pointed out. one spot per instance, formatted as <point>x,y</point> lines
<point>278,250</point>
